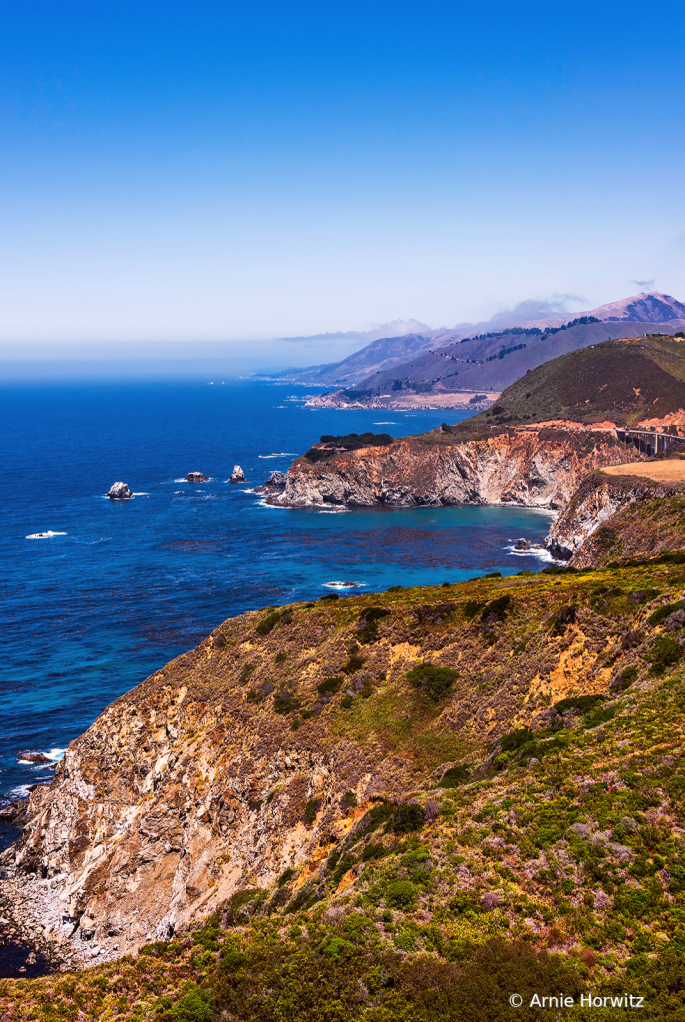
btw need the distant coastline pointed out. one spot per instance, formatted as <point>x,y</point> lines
<point>459,400</point>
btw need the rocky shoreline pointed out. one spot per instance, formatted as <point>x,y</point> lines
<point>33,938</point>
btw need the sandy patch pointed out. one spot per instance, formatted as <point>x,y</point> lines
<point>659,471</point>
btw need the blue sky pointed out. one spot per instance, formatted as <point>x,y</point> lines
<point>173,172</point>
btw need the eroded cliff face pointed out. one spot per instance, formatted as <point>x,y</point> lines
<point>526,466</point>
<point>258,751</point>
<point>590,510</point>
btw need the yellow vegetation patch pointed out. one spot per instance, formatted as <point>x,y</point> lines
<point>403,651</point>
<point>571,676</point>
<point>659,471</point>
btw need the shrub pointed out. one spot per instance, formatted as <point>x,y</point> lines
<point>432,679</point>
<point>310,810</point>
<point>580,703</point>
<point>373,614</point>
<point>515,739</point>
<point>401,894</point>
<point>354,664</point>
<point>564,616</point>
<point>337,946</point>
<point>407,817</point>
<point>661,613</point>
<point>463,902</point>
<point>665,652</point>
<point>268,623</point>
<point>456,775</point>
<point>285,877</point>
<point>471,608</point>
<point>368,623</point>
<point>194,1006</point>
<point>601,716</point>
<point>380,813</point>
<point>348,801</point>
<point>238,907</point>
<point>496,610</point>
<point>329,685</point>
<point>374,850</point>
<point>285,703</point>
<point>624,680</point>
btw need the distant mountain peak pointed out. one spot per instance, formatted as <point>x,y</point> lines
<point>649,307</point>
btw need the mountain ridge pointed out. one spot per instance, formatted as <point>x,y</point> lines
<point>384,353</point>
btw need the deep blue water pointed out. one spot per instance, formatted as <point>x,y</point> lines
<point>87,615</point>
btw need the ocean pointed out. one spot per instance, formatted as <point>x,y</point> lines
<point>120,588</point>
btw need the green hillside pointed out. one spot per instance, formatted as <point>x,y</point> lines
<point>545,854</point>
<point>623,381</point>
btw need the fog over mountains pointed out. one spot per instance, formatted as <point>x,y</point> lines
<point>464,358</point>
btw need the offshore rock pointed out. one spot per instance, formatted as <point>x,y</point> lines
<point>530,467</point>
<point>196,477</point>
<point>33,757</point>
<point>237,475</point>
<point>119,491</point>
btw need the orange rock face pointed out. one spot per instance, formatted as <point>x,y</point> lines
<point>538,467</point>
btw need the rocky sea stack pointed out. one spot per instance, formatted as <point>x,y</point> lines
<point>119,491</point>
<point>196,477</point>
<point>237,475</point>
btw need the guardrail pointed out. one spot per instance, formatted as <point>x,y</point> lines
<point>648,442</point>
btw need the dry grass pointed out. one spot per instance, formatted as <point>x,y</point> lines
<point>659,471</point>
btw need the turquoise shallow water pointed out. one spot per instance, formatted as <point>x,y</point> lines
<point>88,614</point>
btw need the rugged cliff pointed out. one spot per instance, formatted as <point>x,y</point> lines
<point>304,779</point>
<point>598,498</point>
<point>647,526</point>
<point>533,467</point>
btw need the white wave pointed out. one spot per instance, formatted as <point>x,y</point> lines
<point>543,555</point>
<point>385,423</point>
<point>22,791</point>
<point>278,406</point>
<point>143,494</point>
<point>333,510</point>
<point>343,585</point>
<point>278,454</point>
<point>53,755</point>
<point>45,535</point>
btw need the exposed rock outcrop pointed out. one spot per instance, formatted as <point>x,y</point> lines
<point>530,467</point>
<point>196,477</point>
<point>33,757</point>
<point>276,481</point>
<point>237,475</point>
<point>119,491</point>
<point>590,509</point>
